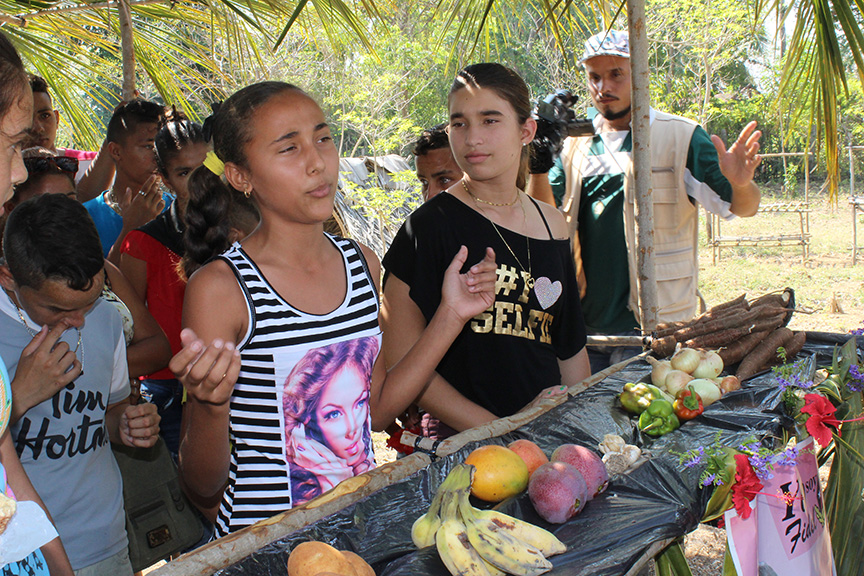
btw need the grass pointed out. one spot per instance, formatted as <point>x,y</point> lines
<point>829,289</point>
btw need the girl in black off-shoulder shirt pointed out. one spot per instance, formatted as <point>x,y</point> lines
<point>530,343</point>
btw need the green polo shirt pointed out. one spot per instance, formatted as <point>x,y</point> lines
<point>601,225</point>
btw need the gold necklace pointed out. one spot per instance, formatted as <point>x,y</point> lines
<point>529,277</point>
<point>499,204</point>
<point>33,333</point>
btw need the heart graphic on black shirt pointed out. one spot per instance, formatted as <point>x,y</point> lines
<point>547,291</point>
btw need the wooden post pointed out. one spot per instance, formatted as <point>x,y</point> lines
<point>127,50</point>
<point>854,208</point>
<point>807,194</point>
<point>641,158</point>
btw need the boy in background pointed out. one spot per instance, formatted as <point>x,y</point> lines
<point>70,384</point>
<point>95,169</point>
<point>136,196</point>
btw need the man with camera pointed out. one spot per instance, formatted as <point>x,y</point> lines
<point>592,183</point>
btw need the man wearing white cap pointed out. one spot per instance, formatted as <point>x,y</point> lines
<point>592,182</point>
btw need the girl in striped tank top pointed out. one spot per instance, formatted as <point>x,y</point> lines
<point>281,339</point>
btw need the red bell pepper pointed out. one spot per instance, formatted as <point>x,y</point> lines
<point>688,405</point>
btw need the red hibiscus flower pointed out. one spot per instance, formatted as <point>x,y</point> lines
<point>821,413</point>
<point>746,486</point>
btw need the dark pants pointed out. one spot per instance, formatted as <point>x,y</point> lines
<point>167,395</point>
<point>601,357</point>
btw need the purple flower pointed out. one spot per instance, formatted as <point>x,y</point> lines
<point>793,381</point>
<point>788,457</point>
<point>857,331</point>
<point>695,457</point>
<point>856,378</point>
<point>762,465</point>
<point>710,479</point>
<point>752,447</point>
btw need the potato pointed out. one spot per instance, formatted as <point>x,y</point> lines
<point>360,566</point>
<point>313,558</point>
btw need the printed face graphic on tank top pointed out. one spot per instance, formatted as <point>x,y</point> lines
<point>520,309</point>
<point>325,403</point>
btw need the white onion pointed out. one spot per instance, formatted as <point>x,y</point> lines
<point>710,365</point>
<point>686,360</point>
<point>659,371</point>
<point>707,390</point>
<point>676,381</point>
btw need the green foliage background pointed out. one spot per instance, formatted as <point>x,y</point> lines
<point>383,78</point>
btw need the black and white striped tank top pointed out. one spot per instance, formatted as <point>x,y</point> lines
<point>300,420</point>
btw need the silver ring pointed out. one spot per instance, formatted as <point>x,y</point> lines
<point>142,193</point>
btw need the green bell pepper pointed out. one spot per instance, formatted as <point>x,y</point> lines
<point>659,418</point>
<point>636,397</point>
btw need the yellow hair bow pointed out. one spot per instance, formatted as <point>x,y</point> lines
<point>214,164</point>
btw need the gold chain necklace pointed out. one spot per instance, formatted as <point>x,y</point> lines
<point>499,204</point>
<point>33,333</point>
<point>529,277</point>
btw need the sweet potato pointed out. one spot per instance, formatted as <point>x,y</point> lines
<point>764,354</point>
<point>737,350</point>
<point>777,298</point>
<point>724,323</point>
<point>719,338</point>
<point>795,345</point>
<point>769,323</point>
<point>670,328</point>
<point>739,301</point>
<point>663,347</point>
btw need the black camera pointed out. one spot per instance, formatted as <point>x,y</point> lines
<point>556,120</point>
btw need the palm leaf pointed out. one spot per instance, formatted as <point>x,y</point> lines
<point>843,504</point>
<point>188,53</point>
<point>814,73</point>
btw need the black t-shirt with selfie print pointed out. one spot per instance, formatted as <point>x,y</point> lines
<point>506,355</point>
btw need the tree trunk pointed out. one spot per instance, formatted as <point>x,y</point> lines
<point>127,49</point>
<point>641,156</point>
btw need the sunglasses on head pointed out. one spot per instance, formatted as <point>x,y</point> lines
<point>44,163</point>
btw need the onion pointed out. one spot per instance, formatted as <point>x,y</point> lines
<point>710,365</point>
<point>729,384</point>
<point>659,370</point>
<point>676,381</point>
<point>686,360</point>
<point>707,390</point>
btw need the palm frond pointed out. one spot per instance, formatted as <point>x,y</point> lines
<point>188,53</point>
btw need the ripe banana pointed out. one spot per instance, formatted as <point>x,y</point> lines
<point>456,552</point>
<point>523,531</point>
<point>500,548</point>
<point>424,528</point>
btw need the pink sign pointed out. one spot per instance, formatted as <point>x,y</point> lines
<point>786,533</point>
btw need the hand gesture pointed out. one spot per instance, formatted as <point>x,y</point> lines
<point>139,425</point>
<point>207,372</point>
<point>738,163</point>
<point>469,294</point>
<point>139,208</point>
<point>315,457</point>
<point>45,367</point>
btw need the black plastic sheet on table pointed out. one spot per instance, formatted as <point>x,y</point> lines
<point>658,500</point>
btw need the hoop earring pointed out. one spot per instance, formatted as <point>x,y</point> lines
<point>247,192</point>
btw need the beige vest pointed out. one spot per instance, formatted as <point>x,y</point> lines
<point>676,218</point>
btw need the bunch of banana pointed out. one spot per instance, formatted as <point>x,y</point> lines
<point>481,542</point>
